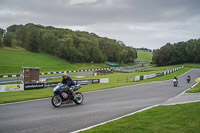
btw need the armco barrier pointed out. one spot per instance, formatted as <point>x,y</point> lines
<point>138,78</point>
<point>145,77</point>
<point>151,76</point>
<point>165,73</point>
<point>141,77</point>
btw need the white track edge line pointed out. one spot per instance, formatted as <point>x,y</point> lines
<point>87,128</point>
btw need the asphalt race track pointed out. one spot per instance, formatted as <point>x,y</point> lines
<point>40,116</point>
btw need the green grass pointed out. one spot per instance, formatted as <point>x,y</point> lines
<point>16,96</point>
<point>12,60</point>
<point>195,89</point>
<point>7,97</point>
<point>163,119</point>
<point>144,56</point>
<point>192,65</point>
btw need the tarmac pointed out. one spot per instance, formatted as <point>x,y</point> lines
<point>183,98</point>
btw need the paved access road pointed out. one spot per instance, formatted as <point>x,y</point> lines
<point>40,116</point>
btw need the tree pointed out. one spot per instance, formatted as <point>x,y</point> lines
<point>21,36</point>
<point>68,50</point>
<point>123,56</point>
<point>162,57</point>
<point>1,41</point>
<point>49,42</point>
<point>33,39</point>
<point>7,39</point>
<point>179,53</point>
<point>12,28</point>
<point>155,58</point>
<point>192,50</point>
<point>83,53</point>
<point>2,31</point>
<point>131,54</point>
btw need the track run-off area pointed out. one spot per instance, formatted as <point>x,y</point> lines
<point>98,106</point>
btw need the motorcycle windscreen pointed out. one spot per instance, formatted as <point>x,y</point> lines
<point>56,88</point>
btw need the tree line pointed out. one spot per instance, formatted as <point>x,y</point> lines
<point>178,53</point>
<point>74,46</point>
<point>143,49</point>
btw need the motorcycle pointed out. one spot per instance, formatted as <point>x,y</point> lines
<point>175,81</point>
<point>64,96</point>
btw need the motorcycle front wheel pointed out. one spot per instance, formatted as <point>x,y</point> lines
<point>79,98</point>
<point>56,100</point>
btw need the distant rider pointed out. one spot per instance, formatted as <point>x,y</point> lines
<point>175,80</point>
<point>68,82</point>
<point>188,78</point>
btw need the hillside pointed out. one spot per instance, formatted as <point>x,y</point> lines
<point>73,46</point>
<point>144,56</point>
<point>12,60</point>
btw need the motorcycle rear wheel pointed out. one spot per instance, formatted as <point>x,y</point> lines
<point>56,101</point>
<point>79,98</point>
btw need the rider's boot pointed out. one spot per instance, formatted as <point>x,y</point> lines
<point>72,92</point>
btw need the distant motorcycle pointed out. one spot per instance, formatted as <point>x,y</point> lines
<point>64,96</point>
<point>175,81</point>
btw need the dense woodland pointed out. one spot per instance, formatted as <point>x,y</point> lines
<point>74,46</point>
<point>177,53</point>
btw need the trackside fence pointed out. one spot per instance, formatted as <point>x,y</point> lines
<point>142,77</point>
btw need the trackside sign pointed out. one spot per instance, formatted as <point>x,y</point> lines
<point>13,87</point>
<point>18,87</point>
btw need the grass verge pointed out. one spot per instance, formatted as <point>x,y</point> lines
<point>194,89</point>
<point>16,96</point>
<point>163,119</point>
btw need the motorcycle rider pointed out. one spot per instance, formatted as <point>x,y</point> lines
<point>68,82</point>
<point>175,80</point>
<point>188,78</point>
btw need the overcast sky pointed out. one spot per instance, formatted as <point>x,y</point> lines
<point>138,23</point>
